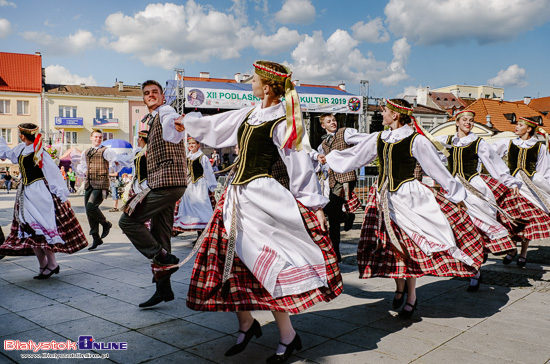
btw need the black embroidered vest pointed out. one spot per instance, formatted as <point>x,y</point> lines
<point>397,163</point>
<point>140,164</point>
<point>464,160</point>
<point>338,143</point>
<point>30,172</point>
<point>524,159</point>
<point>195,168</point>
<point>257,153</point>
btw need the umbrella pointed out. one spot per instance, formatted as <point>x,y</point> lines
<point>117,143</point>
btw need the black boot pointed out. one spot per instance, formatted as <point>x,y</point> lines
<point>106,229</point>
<point>163,293</point>
<point>97,242</point>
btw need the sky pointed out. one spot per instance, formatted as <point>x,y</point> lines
<point>396,45</point>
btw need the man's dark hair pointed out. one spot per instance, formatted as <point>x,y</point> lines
<point>96,131</point>
<point>151,82</point>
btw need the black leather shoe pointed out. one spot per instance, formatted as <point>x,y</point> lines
<point>155,299</point>
<point>348,223</point>
<point>254,330</point>
<point>41,271</point>
<point>167,259</point>
<point>106,229</point>
<point>521,262</point>
<point>49,274</point>
<point>474,287</point>
<point>296,344</point>
<point>405,314</point>
<point>509,257</point>
<point>97,242</point>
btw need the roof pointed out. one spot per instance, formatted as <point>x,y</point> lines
<point>418,109</point>
<point>501,111</point>
<point>20,72</point>
<point>542,104</point>
<point>127,90</point>
<point>446,100</point>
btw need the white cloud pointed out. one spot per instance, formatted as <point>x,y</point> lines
<point>74,43</point>
<point>167,34</point>
<point>279,42</point>
<point>514,75</point>
<point>5,28</point>
<point>337,58</point>
<point>372,32</point>
<point>56,74</point>
<point>7,3</point>
<point>296,12</point>
<point>452,21</point>
<point>408,91</point>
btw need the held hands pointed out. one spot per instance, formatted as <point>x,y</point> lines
<point>322,219</point>
<point>462,206</point>
<point>178,124</point>
<point>322,158</point>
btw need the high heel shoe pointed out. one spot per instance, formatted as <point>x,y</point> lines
<point>295,344</point>
<point>39,274</point>
<point>254,330</point>
<point>46,276</point>
<point>521,262</point>
<point>405,314</point>
<point>398,302</point>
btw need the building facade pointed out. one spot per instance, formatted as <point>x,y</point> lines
<point>473,92</point>
<point>73,111</point>
<point>20,93</point>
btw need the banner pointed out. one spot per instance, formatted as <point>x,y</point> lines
<point>60,121</point>
<point>237,99</point>
<point>106,123</point>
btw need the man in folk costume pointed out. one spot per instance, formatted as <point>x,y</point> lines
<point>43,222</point>
<point>341,185</point>
<point>95,164</point>
<point>166,181</point>
<point>139,182</point>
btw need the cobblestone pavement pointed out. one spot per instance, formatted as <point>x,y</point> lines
<point>96,293</point>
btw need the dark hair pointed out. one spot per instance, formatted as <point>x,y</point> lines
<point>29,126</point>
<point>96,131</point>
<point>151,82</point>
<point>403,118</point>
<point>531,131</point>
<point>144,138</point>
<point>277,86</point>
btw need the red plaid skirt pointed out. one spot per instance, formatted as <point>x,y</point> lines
<point>352,204</point>
<point>246,292</point>
<point>375,258</point>
<point>67,225</point>
<point>519,207</point>
<point>177,229</point>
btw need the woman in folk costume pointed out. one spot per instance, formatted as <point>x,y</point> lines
<point>409,230</point>
<point>266,247</point>
<point>529,161</point>
<point>196,205</point>
<point>466,154</point>
<point>43,222</point>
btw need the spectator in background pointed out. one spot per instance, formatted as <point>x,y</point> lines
<point>71,176</point>
<point>215,159</point>
<point>7,181</point>
<point>114,184</point>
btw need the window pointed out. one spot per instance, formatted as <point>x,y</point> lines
<point>22,107</point>
<point>4,106</point>
<point>107,136</point>
<point>71,137</point>
<point>104,112</point>
<point>67,111</point>
<point>6,134</point>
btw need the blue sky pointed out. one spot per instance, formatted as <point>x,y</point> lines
<point>397,44</point>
